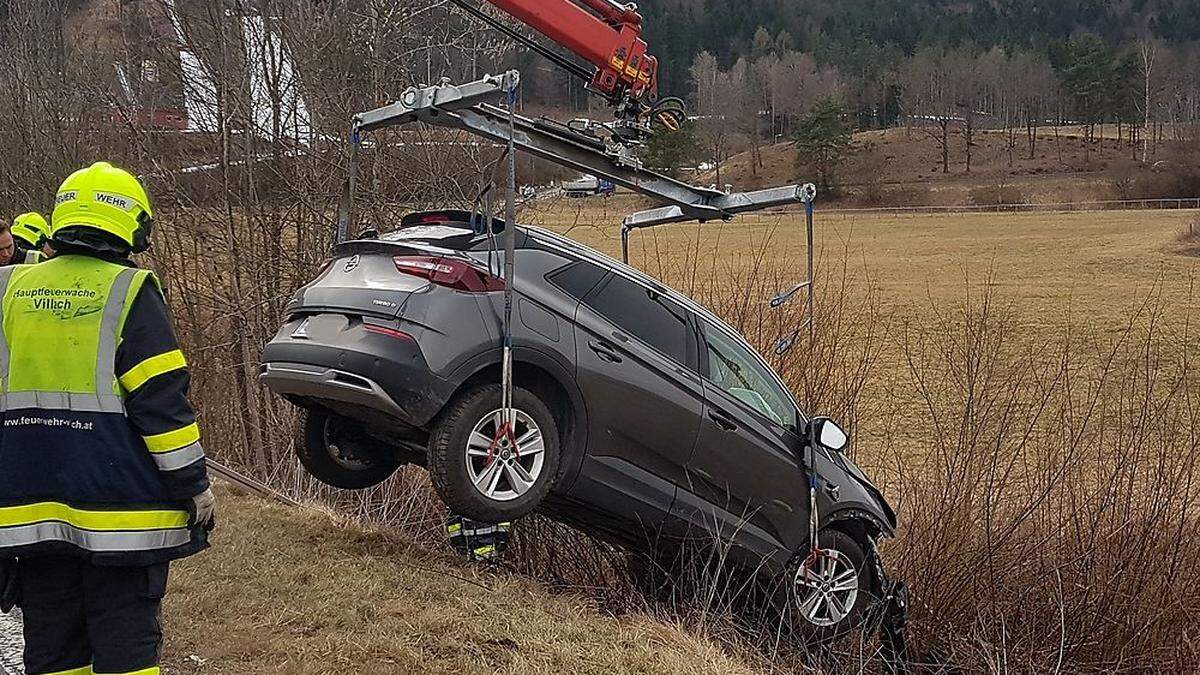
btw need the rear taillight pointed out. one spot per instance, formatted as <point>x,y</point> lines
<point>390,332</point>
<point>391,329</point>
<point>449,272</point>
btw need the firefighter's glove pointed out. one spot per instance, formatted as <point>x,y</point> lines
<point>206,507</point>
<point>10,589</point>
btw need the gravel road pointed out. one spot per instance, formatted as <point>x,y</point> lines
<point>11,644</point>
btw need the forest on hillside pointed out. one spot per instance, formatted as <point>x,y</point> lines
<point>867,34</point>
<point>754,73</point>
<point>759,72</point>
<point>1148,89</point>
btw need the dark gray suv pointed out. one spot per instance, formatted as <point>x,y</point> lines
<point>640,416</point>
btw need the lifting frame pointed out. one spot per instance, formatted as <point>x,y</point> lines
<point>465,107</point>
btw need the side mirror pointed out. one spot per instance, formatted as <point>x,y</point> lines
<point>828,434</point>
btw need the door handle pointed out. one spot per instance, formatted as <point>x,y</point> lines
<point>722,420</point>
<point>604,351</point>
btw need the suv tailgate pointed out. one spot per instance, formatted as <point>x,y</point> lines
<point>366,283</point>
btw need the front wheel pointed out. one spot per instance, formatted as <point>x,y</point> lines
<point>830,589</point>
<point>484,472</point>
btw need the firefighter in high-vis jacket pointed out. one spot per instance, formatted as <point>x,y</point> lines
<point>30,236</point>
<point>102,476</point>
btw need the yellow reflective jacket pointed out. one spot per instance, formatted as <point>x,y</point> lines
<point>86,467</point>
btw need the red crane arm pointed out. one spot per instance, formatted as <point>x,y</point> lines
<point>604,33</point>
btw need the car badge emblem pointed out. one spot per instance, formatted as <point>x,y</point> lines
<point>351,265</point>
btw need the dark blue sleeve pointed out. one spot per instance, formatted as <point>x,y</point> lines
<point>155,379</point>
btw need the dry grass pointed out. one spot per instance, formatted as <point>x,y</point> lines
<point>1052,267</point>
<point>1023,387</point>
<point>998,372</point>
<point>309,592</point>
<point>1052,270</point>
<point>1188,241</point>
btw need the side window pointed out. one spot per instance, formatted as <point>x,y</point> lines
<point>576,279</point>
<point>735,370</point>
<point>646,315</point>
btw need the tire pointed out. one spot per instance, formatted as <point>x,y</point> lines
<point>337,452</point>
<point>811,615</point>
<point>461,454</point>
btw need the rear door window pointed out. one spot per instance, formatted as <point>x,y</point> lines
<point>577,278</point>
<point>646,315</point>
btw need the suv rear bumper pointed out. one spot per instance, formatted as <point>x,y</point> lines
<point>355,370</point>
<point>318,382</point>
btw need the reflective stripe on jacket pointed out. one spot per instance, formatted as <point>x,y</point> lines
<point>75,473</point>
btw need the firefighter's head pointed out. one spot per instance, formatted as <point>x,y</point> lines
<point>105,208</point>
<point>31,229</point>
<point>7,247</point>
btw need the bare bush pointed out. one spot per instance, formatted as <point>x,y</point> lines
<point>1188,240</point>
<point>1049,522</point>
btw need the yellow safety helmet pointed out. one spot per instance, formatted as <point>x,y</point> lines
<point>105,198</point>
<point>31,228</point>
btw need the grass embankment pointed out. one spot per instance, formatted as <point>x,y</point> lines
<point>303,591</point>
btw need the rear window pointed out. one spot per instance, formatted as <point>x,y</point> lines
<point>644,314</point>
<point>577,278</point>
<point>429,233</point>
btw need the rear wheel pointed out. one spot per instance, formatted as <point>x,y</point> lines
<point>487,475</point>
<point>338,452</point>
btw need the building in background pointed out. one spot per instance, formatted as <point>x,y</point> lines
<point>170,60</point>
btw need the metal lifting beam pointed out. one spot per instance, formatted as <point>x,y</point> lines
<point>575,150</point>
<point>417,103</point>
<point>731,204</point>
<point>462,107</point>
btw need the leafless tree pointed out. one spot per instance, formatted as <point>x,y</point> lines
<point>245,204</point>
<point>715,99</point>
<point>748,97</point>
<point>931,96</point>
<point>799,82</point>
<point>1037,88</point>
<point>1148,51</point>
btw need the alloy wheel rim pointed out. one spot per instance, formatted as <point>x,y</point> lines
<point>826,588</point>
<point>500,470</point>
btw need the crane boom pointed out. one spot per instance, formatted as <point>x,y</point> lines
<point>602,32</point>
